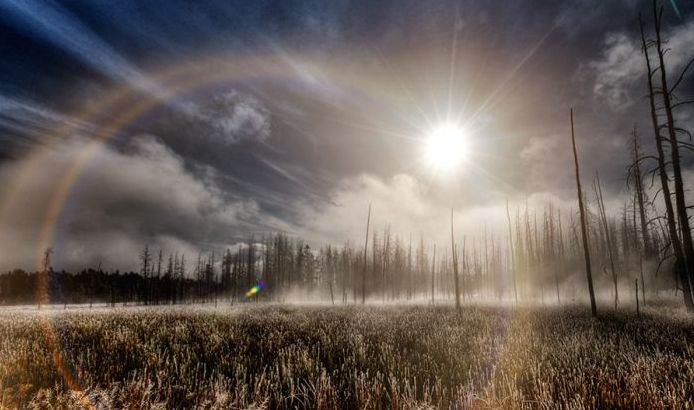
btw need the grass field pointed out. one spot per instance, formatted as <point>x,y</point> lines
<point>325,358</point>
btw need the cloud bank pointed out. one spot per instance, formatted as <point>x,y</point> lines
<point>124,199</point>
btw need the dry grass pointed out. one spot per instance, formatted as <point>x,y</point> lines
<point>324,358</point>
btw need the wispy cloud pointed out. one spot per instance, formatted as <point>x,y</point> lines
<point>617,74</point>
<point>50,22</point>
<point>31,111</point>
<point>30,123</point>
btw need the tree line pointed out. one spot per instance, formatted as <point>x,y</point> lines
<point>544,254</point>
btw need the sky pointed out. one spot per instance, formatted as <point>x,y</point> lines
<point>190,126</point>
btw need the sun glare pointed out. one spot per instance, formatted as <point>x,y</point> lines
<point>446,147</point>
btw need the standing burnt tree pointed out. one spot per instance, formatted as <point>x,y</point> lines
<point>584,232</point>
<point>635,182</point>
<point>146,260</point>
<point>608,239</point>
<point>456,280</point>
<point>511,250</point>
<point>679,230</point>
<point>366,246</point>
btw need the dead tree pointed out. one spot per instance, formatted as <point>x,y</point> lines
<point>455,266</point>
<point>635,177</point>
<point>486,281</point>
<point>366,244</point>
<point>160,257</point>
<point>409,269</point>
<point>636,289</point>
<point>608,239</point>
<point>680,266</point>
<point>329,268</point>
<point>433,275</point>
<point>666,95</point>
<point>584,233</point>
<point>554,253</point>
<point>510,239</point>
<point>145,258</point>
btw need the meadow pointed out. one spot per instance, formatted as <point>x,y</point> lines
<point>318,357</point>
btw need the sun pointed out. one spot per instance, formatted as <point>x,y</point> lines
<point>446,147</point>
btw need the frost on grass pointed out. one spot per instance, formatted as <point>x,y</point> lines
<point>328,358</point>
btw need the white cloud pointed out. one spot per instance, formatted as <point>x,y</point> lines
<point>619,67</point>
<point>617,75</point>
<point>406,205</point>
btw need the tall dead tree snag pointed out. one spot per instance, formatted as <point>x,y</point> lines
<point>366,244</point>
<point>511,251</point>
<point>433,275</point>
<point>678,184</point>
<point>635,179</point>
<point>553,248</point>
<point>146,259</point>
<point>608,238</point>
<point>680,266</point>
<point>456,280</point>
<point>636,289</point>
<point>584,232</point>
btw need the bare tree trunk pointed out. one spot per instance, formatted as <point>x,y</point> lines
<point>463,265</point>
<point>487,279</point>
<point>584,233</point>
<point>608,239</point>
<point>455,266</point>
<point>158,277</point>
<point>433,275</point>
<point>680,202</point>
<point>680,266</point>
<point>331,273</point>
<point>638,310</point>
<point>643,282</point>
<point>529,252</point>
<point>409,270</point>
<point>554,255</point>
<point>638,185</point>
<point>366,244</point>
<point>510,239</point>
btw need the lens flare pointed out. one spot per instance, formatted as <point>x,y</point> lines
<point>256,289</point>
<point>676,9</point>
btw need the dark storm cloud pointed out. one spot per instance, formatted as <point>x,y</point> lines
<point>304,150</point>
